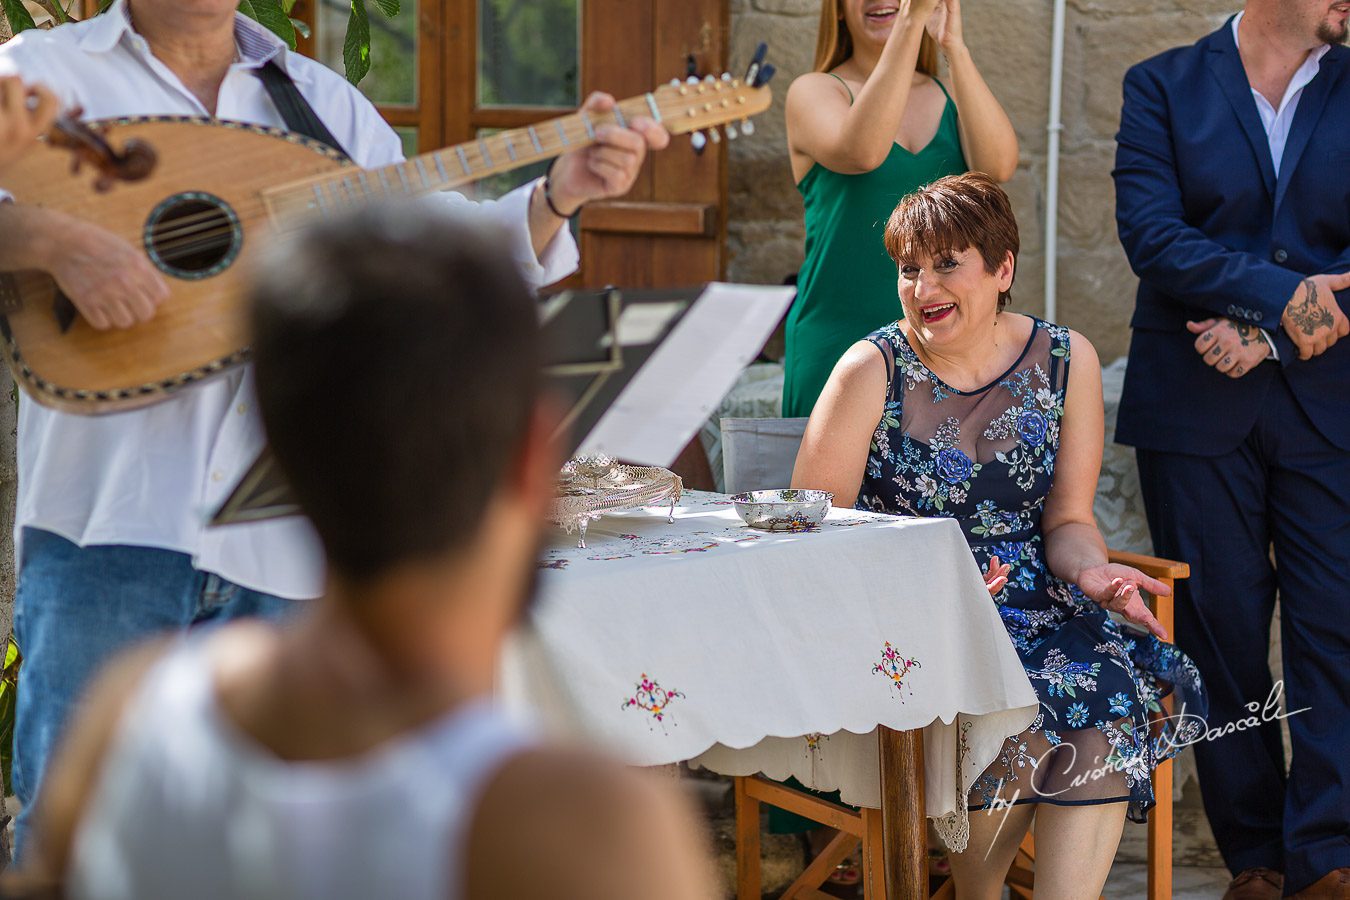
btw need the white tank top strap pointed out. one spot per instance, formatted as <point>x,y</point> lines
<point>189,805</point>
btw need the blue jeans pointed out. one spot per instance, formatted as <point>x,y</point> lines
<point>75,608</point>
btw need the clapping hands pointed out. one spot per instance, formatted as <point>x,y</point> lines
<point>1117,588</point>
<point>945,24</point>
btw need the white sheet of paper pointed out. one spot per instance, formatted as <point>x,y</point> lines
<point>688,375</point>
<point>643,323</point>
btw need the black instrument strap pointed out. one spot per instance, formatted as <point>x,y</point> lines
<point>294,108</point>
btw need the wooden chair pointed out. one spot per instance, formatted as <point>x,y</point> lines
<point>863,827</point>
<point>856,827</point>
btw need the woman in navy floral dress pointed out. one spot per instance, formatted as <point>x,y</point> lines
<point>995,419</point>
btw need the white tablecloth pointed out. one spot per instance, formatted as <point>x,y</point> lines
<point>747,651</point>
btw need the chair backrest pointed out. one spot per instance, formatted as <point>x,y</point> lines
<point>758,454</point>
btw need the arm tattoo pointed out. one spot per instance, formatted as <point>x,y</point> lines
<point>1310,315</point>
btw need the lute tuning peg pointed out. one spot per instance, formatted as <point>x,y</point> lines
<point>698,141</point>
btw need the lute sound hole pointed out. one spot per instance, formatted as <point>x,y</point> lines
<point>193,235</point>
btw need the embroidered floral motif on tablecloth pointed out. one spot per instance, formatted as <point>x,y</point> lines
<point>896,667</point>
<point>653,699</point>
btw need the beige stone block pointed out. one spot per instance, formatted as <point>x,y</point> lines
<point>1026,192</point>
<point>762,189</point>
<point>792,47</point>
<point>764,252</point>
<point>1096,297</point>
<point>791,40</point>
<point>789,7</point>
<point>1087,199</point>
<point>1028,290</point>
<point>1010,43</point>
<point>1109,8</point>
<point>1113,45</point>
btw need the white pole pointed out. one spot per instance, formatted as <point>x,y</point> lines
<point>1053,128</point>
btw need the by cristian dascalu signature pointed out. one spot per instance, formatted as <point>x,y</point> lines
<point>1187,729</point>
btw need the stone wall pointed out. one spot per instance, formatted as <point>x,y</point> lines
<point>1010,40</point>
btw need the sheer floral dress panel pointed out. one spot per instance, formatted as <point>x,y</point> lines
<point>987,459</point>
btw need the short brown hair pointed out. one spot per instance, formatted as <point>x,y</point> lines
<point>953,214</point>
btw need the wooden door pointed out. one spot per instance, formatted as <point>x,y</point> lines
<point>671,230</point>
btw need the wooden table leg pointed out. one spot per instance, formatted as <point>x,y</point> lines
<point>903,814</point>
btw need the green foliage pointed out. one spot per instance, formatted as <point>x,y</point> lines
<point>271,15</point>
<point>9,685</point>
<point>19,19</point>
<point>529,53</point>
<point>356,48</point>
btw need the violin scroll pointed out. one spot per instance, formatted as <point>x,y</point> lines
<point>134,162</point>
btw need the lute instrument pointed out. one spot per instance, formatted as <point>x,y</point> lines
<point>200,196</point>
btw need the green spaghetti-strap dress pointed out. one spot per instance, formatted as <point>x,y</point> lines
<point>846,288</point>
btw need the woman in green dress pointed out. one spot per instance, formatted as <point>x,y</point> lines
<point>871,124</point>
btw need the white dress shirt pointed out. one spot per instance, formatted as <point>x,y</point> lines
<point>1278,121</point>
<point>151,477</point>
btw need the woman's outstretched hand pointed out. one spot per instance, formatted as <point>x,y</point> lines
<point>1117,588</point>
<point>996,577</point>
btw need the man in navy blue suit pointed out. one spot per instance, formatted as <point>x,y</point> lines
<point>1233,205</point>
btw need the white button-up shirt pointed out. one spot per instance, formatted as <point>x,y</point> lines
<point>152,476</point>
<point>1278,121</point>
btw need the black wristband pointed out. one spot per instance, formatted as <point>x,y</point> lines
<point>548,195</point>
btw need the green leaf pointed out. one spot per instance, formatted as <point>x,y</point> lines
<point>390,8</point>
<point>300,28</point>
<point>104,4</point>
<point>271,16</point>
<point>356,48</point>
<point>286,6</point>
<point>19,19</point>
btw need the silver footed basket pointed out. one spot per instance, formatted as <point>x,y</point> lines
<point>591,486</point>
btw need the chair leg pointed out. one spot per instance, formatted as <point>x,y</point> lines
<point>1160,835</point>
<point>874,856</point>
<point>814,875</point>
<point>1160,817</point>
<point>748,875</point>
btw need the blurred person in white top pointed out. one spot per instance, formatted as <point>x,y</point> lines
<point>353,751</point>
<point>110,527</point>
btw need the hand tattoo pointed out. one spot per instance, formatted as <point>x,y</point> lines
<point>1309,315</point>
<point>1246,333</point>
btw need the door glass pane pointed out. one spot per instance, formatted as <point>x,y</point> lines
<point>409,136</point>
<point>393,49</point>
<point>528,53</point>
